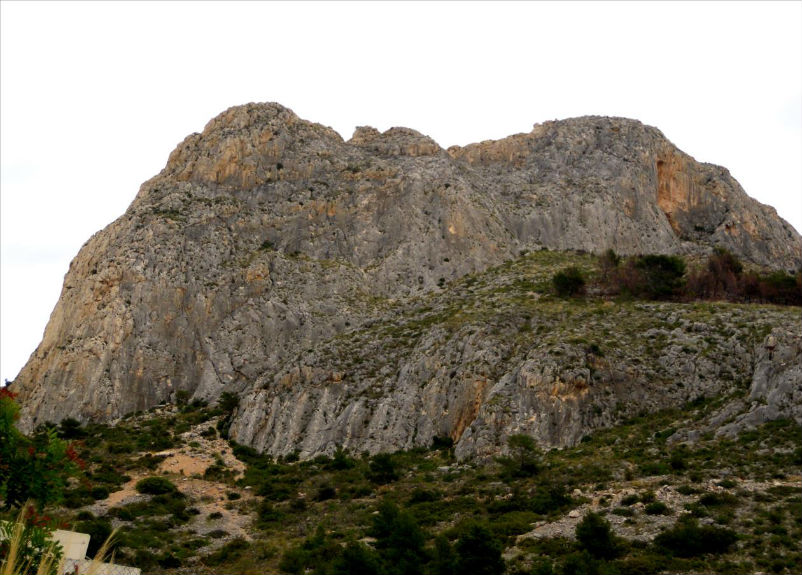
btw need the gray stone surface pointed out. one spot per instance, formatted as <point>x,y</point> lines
<point>267,239</point>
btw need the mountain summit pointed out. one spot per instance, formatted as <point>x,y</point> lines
<point>267,240</point>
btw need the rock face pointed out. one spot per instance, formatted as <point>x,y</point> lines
<point>267,239</point>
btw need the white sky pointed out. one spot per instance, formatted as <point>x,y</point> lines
<point>94,96</point>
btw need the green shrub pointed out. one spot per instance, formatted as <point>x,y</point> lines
<point>325,492</point>
<point>267,514</point>
<point>651,468</point>
<point>98,530</point>
<point>718,500</point>
<point>315,555</point>
<point>399,540</point>
<point>228,552</point>
<point>144,559</point>
<point>569,282</point>
<point>657,508</point>
<point>420,495</point>
<point>641,565</point>
<point>549,498</point>
<point>168,560</point>
<point>582,563</point>
<point>79,496</point>
<point>357,559</point>
<point>688,539</point>
<point>155,486</point>
<point>99,493</point>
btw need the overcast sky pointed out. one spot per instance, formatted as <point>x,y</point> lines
<point>96,95</point>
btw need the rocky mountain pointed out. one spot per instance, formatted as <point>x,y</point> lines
<point>380,292</point>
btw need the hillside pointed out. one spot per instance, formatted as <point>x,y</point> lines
<point>224,508</point>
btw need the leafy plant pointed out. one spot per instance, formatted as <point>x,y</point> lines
<point>155,486</point>
<point>688,539</point>
<point>569,282</point>
<point>34,468</point>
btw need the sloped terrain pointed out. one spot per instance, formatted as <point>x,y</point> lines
<point>256,514</point>
<point>497,353</point>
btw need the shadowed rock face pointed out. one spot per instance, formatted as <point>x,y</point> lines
<point>267,235</point>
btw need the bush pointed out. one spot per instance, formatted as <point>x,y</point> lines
<point>341,461</point>
<point>325,492</point>
<point>657,508</point>
<point>98,530</point>
<point>315,554</point>
<point>228,552</point>
<point>548,498</point>
<point>357,559</point>
<point>688,539</point>
<point>155,486</point>
<point>569,282</point>
<point>718,500</point>
<point>267,514</point>
<point>168,561</point>
<point>99,493</point>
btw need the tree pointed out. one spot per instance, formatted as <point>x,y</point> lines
<point>399,540</point>
<point>382,468</point>
<point>595,535</point>
<point>444,561</point>
<point>229,402</point>
<point>524,459</point>
<point>660,276</point>
<point>479,552</point>
<point>608,263</point>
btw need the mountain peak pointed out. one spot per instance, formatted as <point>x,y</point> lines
<point>267,236</point>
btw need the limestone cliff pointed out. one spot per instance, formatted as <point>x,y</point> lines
<point>267,237</point>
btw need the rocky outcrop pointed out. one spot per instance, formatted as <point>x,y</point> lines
<point>266,238</point>
<point>775,391</point>
<point>478,373</point>
<point>594,183</point>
